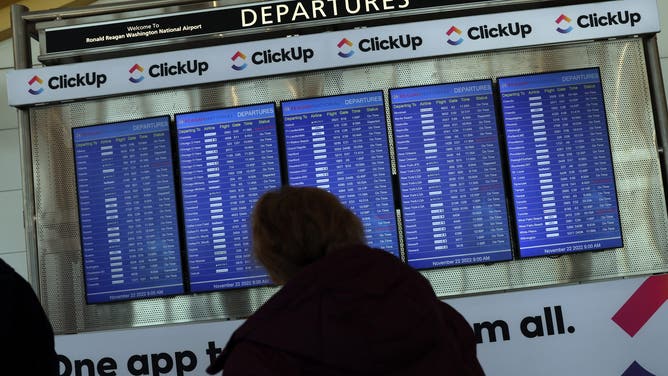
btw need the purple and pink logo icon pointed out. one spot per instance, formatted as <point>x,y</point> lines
<point>237,56</point>
<point>136,74</point>
<point>342,47</point>
<point>638,310</point>
<point>35,85</point>
<point>564,23</point>
<point>454,36</point>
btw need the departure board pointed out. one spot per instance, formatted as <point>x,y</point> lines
<point>127,210</point>
<point>560,162</point>
<point>340,144</point>
<point>450,176</point>
<point>228,158</point>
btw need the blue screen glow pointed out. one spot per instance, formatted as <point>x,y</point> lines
<point>127,209</point>
<point>560,163</point>
<point>228,158</point>
<point>340,144</point>
<point>451,181</point>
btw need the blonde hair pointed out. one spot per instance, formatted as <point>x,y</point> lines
<point>292,227</point>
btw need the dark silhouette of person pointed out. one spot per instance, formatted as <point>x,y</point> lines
<point>344,308</point>
<point>26,339</point>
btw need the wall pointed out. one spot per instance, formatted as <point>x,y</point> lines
<point>12,241</point>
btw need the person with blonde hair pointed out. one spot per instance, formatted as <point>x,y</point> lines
<point>344,308</point>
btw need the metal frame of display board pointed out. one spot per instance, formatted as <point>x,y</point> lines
<point>637,109</point>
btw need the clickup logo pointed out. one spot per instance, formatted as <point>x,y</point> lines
<point>67,81</point>
<point>237,56</point>
<point>35,85</point>
<point>639,309</point>
<point>136,74</point>
<point>564,24</point>
<point>341,44</point>
<point>454,36</point>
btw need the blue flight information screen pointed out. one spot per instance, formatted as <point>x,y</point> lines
<point>228,158</point>
<point>340,144</point>
<point>127,210</point>
<point>560,162</point>
<point>450,176</point>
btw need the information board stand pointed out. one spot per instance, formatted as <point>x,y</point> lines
<point>359,107</point>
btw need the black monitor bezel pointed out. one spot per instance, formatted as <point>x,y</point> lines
<point>178,223</point>
<point>501,143</point>
<point>607,127</point>
<point>179,199</point>
<point>391,161</point>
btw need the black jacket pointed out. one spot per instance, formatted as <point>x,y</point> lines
<point>26,343</point>
<point>356,311</point>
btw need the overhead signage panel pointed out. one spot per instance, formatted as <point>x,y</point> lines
<point>332,50</point>
<point>219,20</point>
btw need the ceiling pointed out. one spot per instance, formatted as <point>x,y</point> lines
<point>33,5</point>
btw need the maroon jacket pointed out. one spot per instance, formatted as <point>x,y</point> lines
<point>356,311</point>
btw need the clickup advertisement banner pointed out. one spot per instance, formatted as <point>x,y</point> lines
<point>332,50</point>
<point>604,328</point>
<point>168,350</point>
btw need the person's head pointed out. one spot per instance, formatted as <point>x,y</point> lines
<point>292,227</point>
